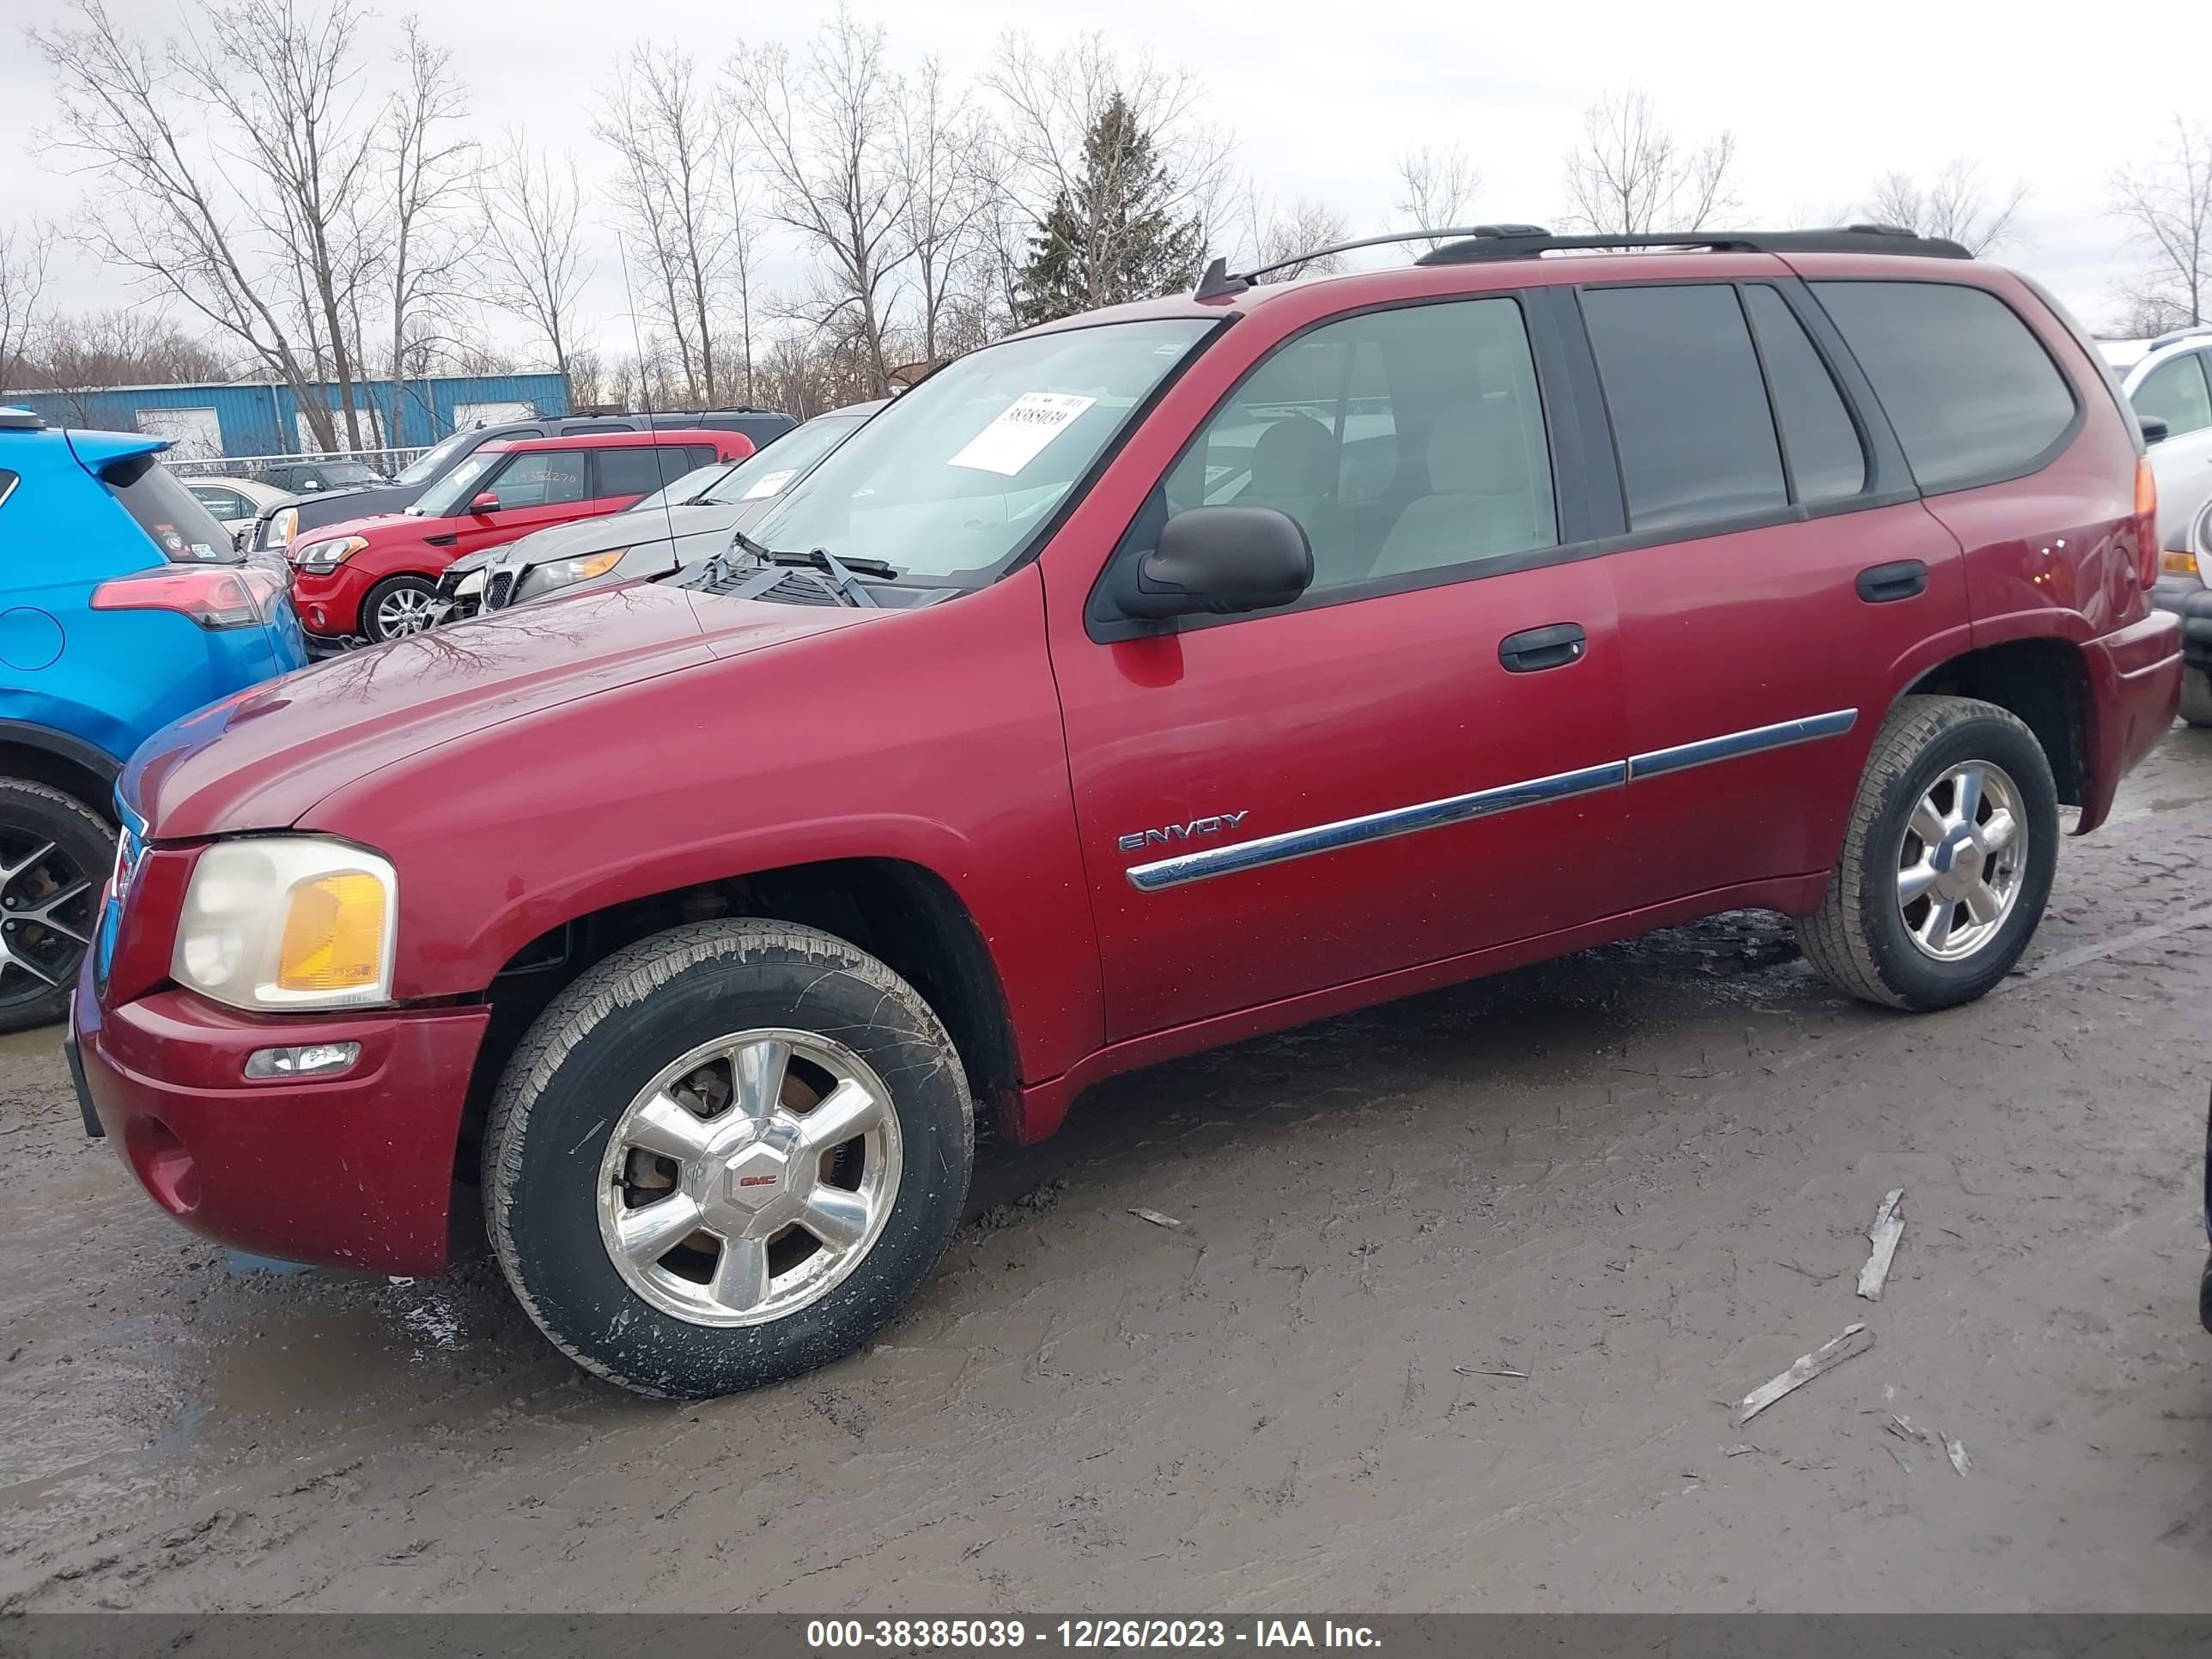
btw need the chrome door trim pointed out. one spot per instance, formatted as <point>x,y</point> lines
<point>1706,750</point>
<point>1187,867</point>
<point>1375,826</point>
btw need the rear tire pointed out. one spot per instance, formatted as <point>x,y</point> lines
<point>660,1191</point>
<point>1935,895</point>
<point>54,852</point>
<point>2195,696</point>
<point>398,607</point>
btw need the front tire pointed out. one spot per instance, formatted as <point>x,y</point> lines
<point>725,1156</point>
<point>398,607</point>
<point>54,852</point>
<point>1947,862</point>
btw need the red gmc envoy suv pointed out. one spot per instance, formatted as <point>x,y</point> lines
<point>1146,681</point>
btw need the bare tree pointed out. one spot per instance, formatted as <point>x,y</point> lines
<point>429,171</point>
<point>1436,187</point>
<point>943,176</point>
<point>741,263</point>
<point>25,254</point>
<point>161,217</point>
<point>287,83</point>
<point>1058,108</point>
<point>533,250</point>
<point>1275,231</point>
<point>2166,204</point>
<point>1631,175</point>
<point>1954,205</point>
<point>666,127</point>
<point>82,351</point>
<point>825,131</point>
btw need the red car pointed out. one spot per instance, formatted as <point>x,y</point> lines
<point>1143,682</point>
<point>378,577</point>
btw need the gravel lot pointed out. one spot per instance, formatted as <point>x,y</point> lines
<point>1642,1176</point>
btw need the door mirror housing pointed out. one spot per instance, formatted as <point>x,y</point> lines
<point>1219,561</point>
<point>2154,430</point>
<point>486,501</point>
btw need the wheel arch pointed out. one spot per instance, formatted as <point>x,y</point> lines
<point>902,912</point>
<point>2044,681</point>
<point>80,769</point>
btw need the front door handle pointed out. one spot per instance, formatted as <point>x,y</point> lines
<point>1535,648</point>
<point>1880,584</point>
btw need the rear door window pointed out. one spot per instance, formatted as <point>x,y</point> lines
<point>1974,396</point>
<point>1820,444</point>
<point>183,530</point>
<point>2175,393</point>
<point>639,472</point>
<point>1689,417</point>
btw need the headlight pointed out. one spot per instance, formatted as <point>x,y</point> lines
<point>560,573</point>
<point>283,526</point>
<point>285,921</point>
<point>329,554</point>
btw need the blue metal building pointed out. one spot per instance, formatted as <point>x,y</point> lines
<point>263,418</point>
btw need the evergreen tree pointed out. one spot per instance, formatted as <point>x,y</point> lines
<point>1114,235</point>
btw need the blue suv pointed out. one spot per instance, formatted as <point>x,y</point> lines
<point>123,605</point>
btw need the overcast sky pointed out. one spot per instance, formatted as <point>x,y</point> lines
<point>1320,96</point>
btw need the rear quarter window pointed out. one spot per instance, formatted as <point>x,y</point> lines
<point>8,483</point>
<point>181,529</point>
<point>1970,391</point>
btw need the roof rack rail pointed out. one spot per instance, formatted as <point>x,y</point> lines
<point>1524,241</point>
<point>2173,335</point>
<point>1220,282</point>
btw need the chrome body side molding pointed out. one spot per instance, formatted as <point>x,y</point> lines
<point>1187,867</point>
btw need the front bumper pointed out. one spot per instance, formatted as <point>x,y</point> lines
<point>328,602</point>
<point>356,1171</point>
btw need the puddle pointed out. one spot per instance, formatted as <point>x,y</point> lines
<point>244,1266</point>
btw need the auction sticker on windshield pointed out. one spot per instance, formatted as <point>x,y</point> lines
<point>1021,430</point>
<point>768,483</point>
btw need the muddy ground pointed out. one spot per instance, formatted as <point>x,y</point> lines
<point>1641,1175</point>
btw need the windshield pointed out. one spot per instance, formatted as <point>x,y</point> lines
<point>691,487</point>
<point>349,472</point>
<point>759,478</point>
<point>951,478</point>
<point>443,498</point>
<point>424,467</point>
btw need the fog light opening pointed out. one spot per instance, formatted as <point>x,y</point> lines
<point>303,1059</point>
<point>164,1165</point>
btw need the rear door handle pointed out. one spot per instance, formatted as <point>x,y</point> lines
<point>1880,584</point>
<point>1535,648</point>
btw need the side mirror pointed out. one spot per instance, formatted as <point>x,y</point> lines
<point>2154,430</point>
<point>1219,561</point>
<point>486,502</point>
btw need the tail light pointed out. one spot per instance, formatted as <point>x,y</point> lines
<point>2146,548</point>
<point>216,597</point>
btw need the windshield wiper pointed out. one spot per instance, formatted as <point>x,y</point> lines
<point>823,560</point>
<point>844,580</point>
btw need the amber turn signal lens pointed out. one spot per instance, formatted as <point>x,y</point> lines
<point>333,934</point>
<point>2171,563</point>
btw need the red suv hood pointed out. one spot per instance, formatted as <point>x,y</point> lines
<point>286,744</point>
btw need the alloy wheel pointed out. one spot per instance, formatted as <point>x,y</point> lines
<point>46,916</point>
<point>749,1177</point>
<point>404,611</point>
<point>1963,861</point>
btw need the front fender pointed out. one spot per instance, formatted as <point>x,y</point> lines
<point>931,736</point>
